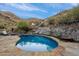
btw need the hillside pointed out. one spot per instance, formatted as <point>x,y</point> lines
<point>65,17</point>
<point>34,20</point>
<point>8,20</point>
<point>10,15</point>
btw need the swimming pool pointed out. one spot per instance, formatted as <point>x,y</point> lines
<point>35,43</point>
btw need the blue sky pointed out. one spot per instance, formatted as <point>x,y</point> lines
<point>35,10</point>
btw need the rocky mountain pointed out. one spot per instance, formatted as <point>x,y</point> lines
<point>66,24</point>
<point>10,15</point>
<point>34,20</point>
<point>65,17</point>
<point>8,20</point>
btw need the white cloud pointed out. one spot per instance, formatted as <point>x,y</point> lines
<point>26,7</point>
<point>3,10</point>
<point>54,4</point>
<point>75,4</point>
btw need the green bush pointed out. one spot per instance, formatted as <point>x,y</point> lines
<point>23,26</point>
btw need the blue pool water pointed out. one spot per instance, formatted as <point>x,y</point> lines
<point>34,43</point>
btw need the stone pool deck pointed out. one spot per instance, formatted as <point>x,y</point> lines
<point>71,49</point>
<point>8,48</point>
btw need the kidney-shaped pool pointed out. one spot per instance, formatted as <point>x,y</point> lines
<point>35,43</point>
